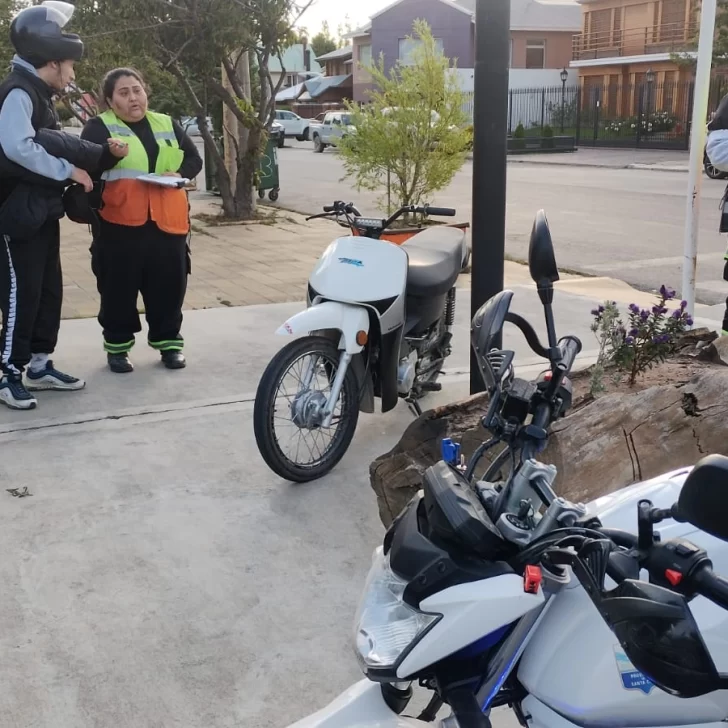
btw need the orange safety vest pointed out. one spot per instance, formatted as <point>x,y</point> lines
<point>129,202</point>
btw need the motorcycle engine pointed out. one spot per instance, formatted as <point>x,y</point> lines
<point>406,372</point>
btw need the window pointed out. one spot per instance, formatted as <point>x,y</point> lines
<point>365,55</point>
<point>535,54</point>
<point>407,47</point>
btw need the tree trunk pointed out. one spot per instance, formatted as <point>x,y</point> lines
<point>238,200</point>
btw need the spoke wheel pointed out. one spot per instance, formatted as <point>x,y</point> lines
<point>288,412</point>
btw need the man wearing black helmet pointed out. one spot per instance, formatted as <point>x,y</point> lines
<point>31,287</point>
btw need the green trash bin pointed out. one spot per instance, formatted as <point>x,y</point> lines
<point>268,172</point>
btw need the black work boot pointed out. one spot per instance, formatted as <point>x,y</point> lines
<point>120,363</point>
<point>174,359</point>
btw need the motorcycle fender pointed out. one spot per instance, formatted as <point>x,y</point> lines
<point>343,317</point>
<point>361,706</point>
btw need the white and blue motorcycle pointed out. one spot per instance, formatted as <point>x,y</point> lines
<point>500,593</point>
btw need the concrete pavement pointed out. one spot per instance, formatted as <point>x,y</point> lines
<point>160,575</point>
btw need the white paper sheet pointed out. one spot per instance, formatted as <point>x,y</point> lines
<point>164,181</point>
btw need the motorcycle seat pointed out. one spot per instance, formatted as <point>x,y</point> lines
<point>436,257</point>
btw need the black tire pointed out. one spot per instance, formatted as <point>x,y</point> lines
<point>261,194</point>
<point>273,195</point>
<point>264,411</point>
<point>281,143</point>
<point>711,171</point>
<point>318,145</point>
<point>301,138</point>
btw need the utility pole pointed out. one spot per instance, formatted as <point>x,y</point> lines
<point>490,130</point>
<point>697,145</point>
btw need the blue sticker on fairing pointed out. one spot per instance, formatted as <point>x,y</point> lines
<point>632,678</point>
<point>352,261</point>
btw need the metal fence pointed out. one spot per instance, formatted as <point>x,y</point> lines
<point>639,115</point>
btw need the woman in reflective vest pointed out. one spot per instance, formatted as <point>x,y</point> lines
<point>141,242</point>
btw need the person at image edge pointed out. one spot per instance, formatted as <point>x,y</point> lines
<point>32,183</point>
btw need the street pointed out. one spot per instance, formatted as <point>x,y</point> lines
<point>623,223</point>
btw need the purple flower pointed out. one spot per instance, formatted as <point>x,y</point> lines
<point>595,312</point>
<point>677,314</point>
<point>634,332</point>
<point>629,340</point>
<point>661,339</point>
<point>634,308</point>
<point>667,293</point>
<point>683,305</point>
<point>657,310</point>
<point>644,315</point>
<point>689,321</point>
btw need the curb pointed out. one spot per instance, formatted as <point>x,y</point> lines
<point>596,165</point>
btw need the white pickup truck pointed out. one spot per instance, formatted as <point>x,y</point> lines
<point>336,124</point>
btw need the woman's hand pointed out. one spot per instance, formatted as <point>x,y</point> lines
<point>171,174</point>
<point>118,148</point>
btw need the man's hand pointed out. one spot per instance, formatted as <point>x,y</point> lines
<point>118,148</point>
<point>82,177</point>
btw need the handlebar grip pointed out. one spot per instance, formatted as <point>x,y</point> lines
<point>441,211</point>
<point>569,347</point>
<point>711,586</point>
<point>329,208</point>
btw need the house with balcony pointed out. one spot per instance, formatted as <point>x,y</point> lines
<point>541,38</point>
<point>628,55</point>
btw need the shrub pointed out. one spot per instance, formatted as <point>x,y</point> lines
<point>649,337</point>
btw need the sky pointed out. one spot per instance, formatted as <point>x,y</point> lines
<point>335,12</point>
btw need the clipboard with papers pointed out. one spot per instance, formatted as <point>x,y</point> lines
<point>164,181</point>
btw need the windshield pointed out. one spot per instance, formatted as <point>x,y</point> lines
<point>346,120</point>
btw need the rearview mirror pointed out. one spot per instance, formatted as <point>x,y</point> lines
<point>704,496</point>
<point>485,333</point>
<point>541,261</point>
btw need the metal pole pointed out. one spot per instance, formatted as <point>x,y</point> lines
<point>697,145</point>
<point>492,47</point>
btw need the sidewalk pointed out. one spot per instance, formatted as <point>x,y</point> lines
<point>160,574</point>
<point>646,159</point>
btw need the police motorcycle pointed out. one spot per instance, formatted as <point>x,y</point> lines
<point>490,593</point>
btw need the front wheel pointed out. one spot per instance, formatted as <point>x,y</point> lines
<point>318,145</point>
<point>288,411</point>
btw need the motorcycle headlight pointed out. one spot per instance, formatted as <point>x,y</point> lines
<point>385,626</point>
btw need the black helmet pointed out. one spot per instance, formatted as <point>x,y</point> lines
<point>37,36</point>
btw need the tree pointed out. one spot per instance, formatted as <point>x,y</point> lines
<point>323,42</point>
<point>412,137</point>
<point>342,31</point>
<point>192,41</point>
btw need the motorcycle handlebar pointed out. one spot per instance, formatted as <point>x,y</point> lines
<point>711,586</point>
<point>570,347</point>
<point>441,211</point>
<point>329,208</point>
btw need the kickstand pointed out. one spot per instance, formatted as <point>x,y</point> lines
<point>414,406</point>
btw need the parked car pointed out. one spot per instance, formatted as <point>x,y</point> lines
<point>190,125</point>
<point>336,125</point>
<point>294,125</point>
<point>277,133</point>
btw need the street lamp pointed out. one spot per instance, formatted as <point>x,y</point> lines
<point>650,78</point>
<point>564,75</point>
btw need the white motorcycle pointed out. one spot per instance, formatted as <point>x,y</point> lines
<point>494,593</point>
<point>378,323</point>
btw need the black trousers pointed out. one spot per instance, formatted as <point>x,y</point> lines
<point>31,296</point>
<point>132,260</point>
